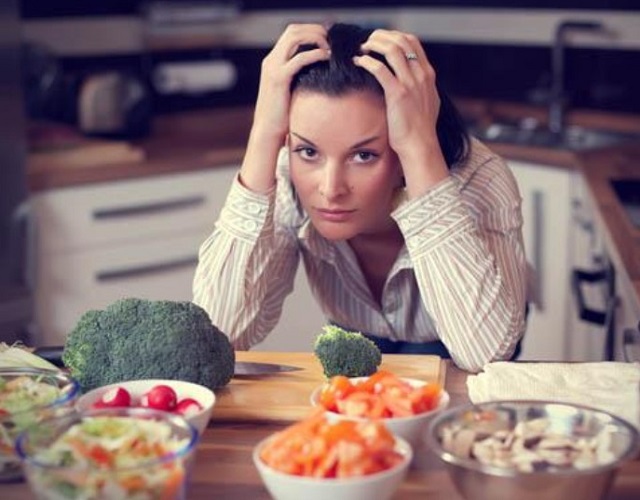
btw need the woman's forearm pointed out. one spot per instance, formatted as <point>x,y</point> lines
<point>470,269</point>
<point>258,167</point>
<point>245,270</point>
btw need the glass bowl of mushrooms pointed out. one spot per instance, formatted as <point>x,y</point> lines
<point>531,449</point>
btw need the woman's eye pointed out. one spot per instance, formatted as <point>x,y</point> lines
<point>365,157</point>
<point>306,153</point>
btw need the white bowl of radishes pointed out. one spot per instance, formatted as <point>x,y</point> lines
<point>193,401</point>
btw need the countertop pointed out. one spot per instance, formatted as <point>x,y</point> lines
<point>216,137</point>
<point>224,468</point>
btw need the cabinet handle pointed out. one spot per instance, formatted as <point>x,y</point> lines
<point>538,245</point>
<point>132,272</point>
<point>610,328</point>
<point>585,313</point>
<point>148,208</point>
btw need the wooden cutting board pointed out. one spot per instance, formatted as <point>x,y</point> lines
<point>285,396</point>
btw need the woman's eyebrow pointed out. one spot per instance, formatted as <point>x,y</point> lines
<point>303,139</point>
<point>357,145</point>
<point>364,142</point>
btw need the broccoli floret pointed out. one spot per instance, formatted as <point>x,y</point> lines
<point>137,339</point>
<point>346,353</point>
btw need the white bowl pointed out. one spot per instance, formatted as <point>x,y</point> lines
<point>137,388</point>
<point>377,486</point>
<point>413,429</point>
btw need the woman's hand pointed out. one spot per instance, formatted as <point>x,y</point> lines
<point>412,103</point>
<point>271,115</point>
<point>279,68</point>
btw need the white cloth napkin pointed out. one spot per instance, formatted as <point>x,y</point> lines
<point>608,385</point>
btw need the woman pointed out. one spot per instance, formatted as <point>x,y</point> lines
<point>408,230</point>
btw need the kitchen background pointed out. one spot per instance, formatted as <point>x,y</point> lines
<point>120,70</point>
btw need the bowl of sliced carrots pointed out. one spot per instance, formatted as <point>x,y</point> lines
<point>404,405</point>
<point>319,458</point>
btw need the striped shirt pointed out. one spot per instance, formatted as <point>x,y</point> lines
<point>460,277</point>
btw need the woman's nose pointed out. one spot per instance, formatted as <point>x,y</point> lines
<point>333,183</point>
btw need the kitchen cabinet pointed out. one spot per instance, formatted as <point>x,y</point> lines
<point>100,242</point>
<point>97,243</point>
<point>546,209</point>
<point>582,301</point>
<point>592,274</point>
<point>627,317</point>
<point>621,306</point>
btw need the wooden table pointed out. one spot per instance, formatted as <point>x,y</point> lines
<point>224,469</point>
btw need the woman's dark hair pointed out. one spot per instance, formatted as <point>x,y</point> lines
<point>339,76</point>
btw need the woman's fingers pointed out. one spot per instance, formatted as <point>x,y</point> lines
<point>296,35</point>
<point>380,71</point>
<point>408,81</point>
<point>278,69</point>
<point>305,58</point>
<point>284,60</point>
<point>403,52</point>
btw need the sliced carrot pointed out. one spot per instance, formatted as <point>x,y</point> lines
<point>100,456</point>
<point>397,397</point>
<point>362,404</point>
<point>132,483</point>
<point>332,449</point>
<point>173,484</point>
<point>337,388</point>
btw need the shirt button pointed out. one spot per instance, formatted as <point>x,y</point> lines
<point>254,208</point>
<point>250,225</point>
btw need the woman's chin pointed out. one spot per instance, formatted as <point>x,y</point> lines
<point>335,232</point>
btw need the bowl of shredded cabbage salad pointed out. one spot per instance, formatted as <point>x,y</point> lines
<point>109,453</point>
<point>28,396</point>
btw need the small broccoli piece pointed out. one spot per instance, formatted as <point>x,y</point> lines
<point>346,353</point>
<point>137,339</point>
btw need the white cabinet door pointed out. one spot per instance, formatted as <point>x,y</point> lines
<point>110,213</point>
<point>70,284</point>
<point>546,210</point>
<point>136,238</point>
<point>585,337</point>
<point>627,318</point>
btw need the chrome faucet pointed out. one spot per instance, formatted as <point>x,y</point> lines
<point>558,99</point>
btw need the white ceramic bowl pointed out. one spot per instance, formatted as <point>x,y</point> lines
<point>413,429</point>
<point>378,486</point>
<point>137,388</point>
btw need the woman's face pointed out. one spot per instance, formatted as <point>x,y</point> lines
<point>342,166</point>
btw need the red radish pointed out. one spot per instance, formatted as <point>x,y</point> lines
<point>114,398</point>
<point>188,407</point>
<point>160,397</point>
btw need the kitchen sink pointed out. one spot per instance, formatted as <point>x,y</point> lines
<point>572,138</point>
<point>628,192</point>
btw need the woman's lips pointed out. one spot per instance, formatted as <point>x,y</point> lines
<point>334,215</point>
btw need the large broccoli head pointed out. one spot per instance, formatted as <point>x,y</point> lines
<point>136,338</point>
<point>346,353</point>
